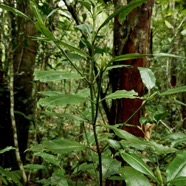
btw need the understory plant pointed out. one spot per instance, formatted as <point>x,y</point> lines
<point>99,152</point>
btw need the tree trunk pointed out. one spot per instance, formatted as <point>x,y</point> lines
<point>131,36</point>
<point>24,54</point>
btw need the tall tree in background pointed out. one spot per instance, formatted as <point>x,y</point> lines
<point>22,53</point>
<point>130,36</point>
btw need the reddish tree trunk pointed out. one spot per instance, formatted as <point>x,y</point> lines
<point>131,36</point>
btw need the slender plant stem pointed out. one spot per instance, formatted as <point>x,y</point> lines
<point>14,128</point>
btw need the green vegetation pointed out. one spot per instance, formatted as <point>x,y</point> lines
<point>55,71</point>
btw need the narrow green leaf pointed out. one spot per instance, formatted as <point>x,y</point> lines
<point>147,77</point>
<point>125,9</point>
<point>14,11</point>
<point>167,23</point>
<point>84,28</point>
<point>7,149</point>
<point>173,91</point>
<point>61,100</point>
<point>138,164</point>
<point>34,166</point>
<point>52,75</point>
<point>122,94</point>
<point>124,134</point>
<point>71,48</point>
<point>177,167</point>
<point>62,146</point>
<point>167,55</point>
<point>118,66</point>
<point>133,177</point>
<point>128,57</point>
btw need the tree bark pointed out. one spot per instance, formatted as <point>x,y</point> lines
<point>24,57</point>
<point>131,36</point>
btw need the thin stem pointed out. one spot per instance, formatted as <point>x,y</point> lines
<point>14,128</point>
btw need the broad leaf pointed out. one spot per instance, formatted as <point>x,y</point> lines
<point>61,100</point>
<point>62,146</point>
<point>173,91</point>
<point>86,4</point>
<point>52,159</point>
<point>147,77</point>
<point>132,177</point>
<point>177,167</point>
<point>52,75</point>
<point>110,166</point>
<point>138,164</point>
<point>14,11</point>
<point>122,94</point>
<point>180,181</point>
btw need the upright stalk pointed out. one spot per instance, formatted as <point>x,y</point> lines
<point>14,128</point>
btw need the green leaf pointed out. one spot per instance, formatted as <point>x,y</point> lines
<point>147,77</point>
<point>52,75</point>
<point>10,176</point>
<point>126,57</point>
<point>167,23</point>
<point>180,181</point>
<point>129,8</point>
<point>61,100</point>
<point>177,167</point>
<point>173,91</point>
<point>118,66</point>
<point>125,9</point>
<point>132,177</point>
<point>167,55</point>
<point>161,149</point>
<point>34,166</point>
<point>52,159</point>
<point>110,166</point>
<point>71,48</point>
<point>183,32</point>
<point>14,11</point>
<point>7,149</point>
<point>114,144</point>
<point>123,134</point>
<point>62,146</point>
<point>122,94</point>
<point>138,164</point>
<point>86,4</point>
<point>84,28</point>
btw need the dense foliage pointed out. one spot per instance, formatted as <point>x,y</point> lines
<point>70,141</point>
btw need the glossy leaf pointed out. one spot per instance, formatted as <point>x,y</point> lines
<point>122,94</point>
<point>14,11</point>
<point>61,100</point>
<point>62,146</point>
<point>52,75</point>
<point>118,66</point>
<point>110,166</point>
<point>173,91</point>
<point>138,164</point>
<point>133,177</point>
<point>123,134</point>
<point>147,77</point>
<point>177,167</point>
